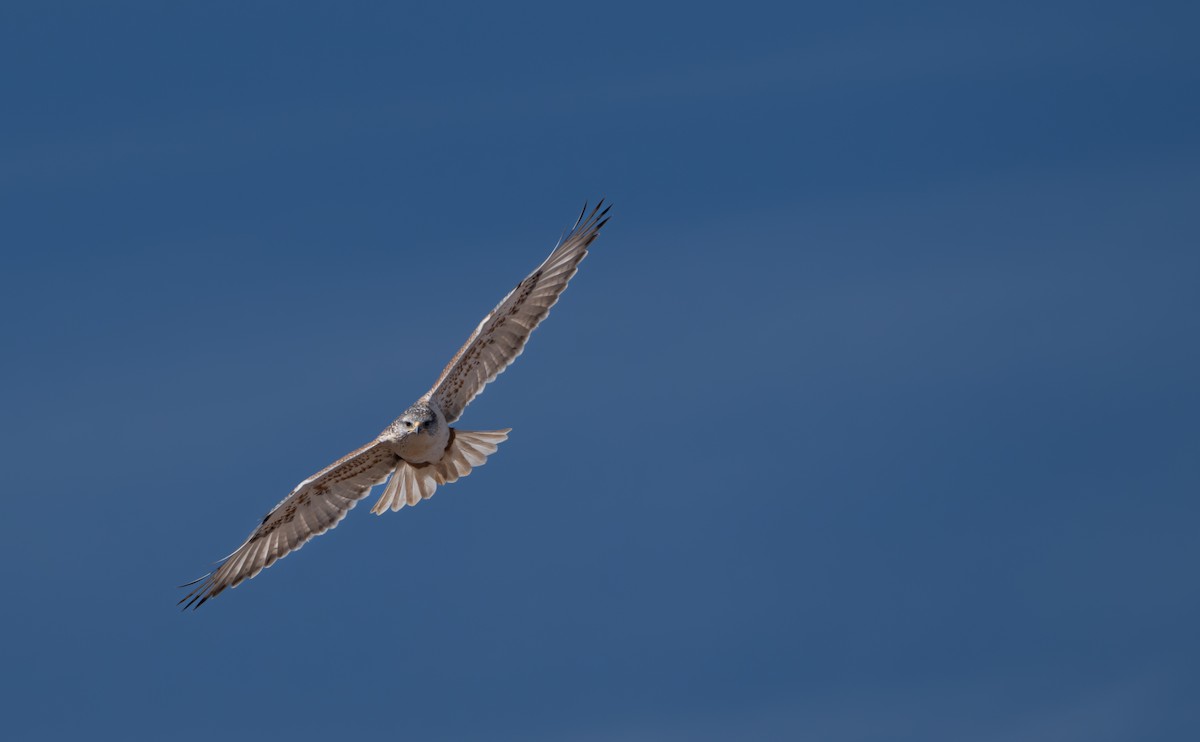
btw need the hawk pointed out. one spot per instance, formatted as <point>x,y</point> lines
<point>419,451</point>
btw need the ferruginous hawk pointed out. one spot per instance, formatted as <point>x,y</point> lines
<point>419,450</point>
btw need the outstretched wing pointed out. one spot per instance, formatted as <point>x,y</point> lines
<point>502,335</point>
<point>316,505</point>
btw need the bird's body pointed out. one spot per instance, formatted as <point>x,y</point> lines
<point>419,450</point>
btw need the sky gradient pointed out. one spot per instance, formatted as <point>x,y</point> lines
<point>872,415</point>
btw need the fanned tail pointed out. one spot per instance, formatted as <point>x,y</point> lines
<point>411,483</point>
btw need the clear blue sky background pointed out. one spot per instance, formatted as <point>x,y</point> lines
<point>872,416</point>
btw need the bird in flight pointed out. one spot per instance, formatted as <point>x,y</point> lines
<point>419,450</point>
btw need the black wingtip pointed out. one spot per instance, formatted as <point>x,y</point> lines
<point>198,595</point>
<point>588,221</point>
<point>193,601</point>
<point>598,213</point>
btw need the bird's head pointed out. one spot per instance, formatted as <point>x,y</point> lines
<point>416,419</point>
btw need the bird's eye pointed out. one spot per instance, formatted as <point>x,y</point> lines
<point>408,423</point>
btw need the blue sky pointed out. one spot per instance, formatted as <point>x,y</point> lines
<point>872,415</point>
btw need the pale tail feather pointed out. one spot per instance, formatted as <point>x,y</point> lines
<point>410,484</point>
